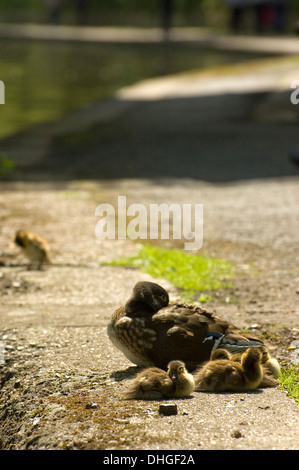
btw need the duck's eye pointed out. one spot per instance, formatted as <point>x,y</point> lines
<point>163,297</point>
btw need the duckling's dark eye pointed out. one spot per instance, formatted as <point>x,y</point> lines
<point>163,297</point>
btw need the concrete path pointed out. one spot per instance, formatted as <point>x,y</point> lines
<point>61,378</point>
<point>199,36</point>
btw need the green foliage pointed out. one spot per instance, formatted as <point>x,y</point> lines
<point>188,272</point>
<point>6,165</point>
<point>289,381</point>
<point>12,4</point>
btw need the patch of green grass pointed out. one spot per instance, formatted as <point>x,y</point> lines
<point>289,381</point>
<point>6,165</point>
<point>188,272</point>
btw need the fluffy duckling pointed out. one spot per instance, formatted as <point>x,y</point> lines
<point>270,366</point>
<point>155,383</point>
<point>34,247</point>
<point>221,374</point>
<point>151,332</point>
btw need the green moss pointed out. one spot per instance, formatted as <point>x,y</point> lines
<point>289,381</point>
<point>188,272</point>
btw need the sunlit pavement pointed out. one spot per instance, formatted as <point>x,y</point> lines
<point>203,36</point>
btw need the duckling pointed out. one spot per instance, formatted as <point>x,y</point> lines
<point>270,366</point>
<point>183,381</point>
<point>222,375</point>
<point>34,247</point>
<point>221,354</point>
<point>151,332</point>
<point>154,383</point>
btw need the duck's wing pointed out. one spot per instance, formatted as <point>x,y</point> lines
<point>180,334</point>
<point>233,340</point>
<point>238,344</point>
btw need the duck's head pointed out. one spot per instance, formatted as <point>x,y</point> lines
<point>147,297</point>
<point>175,370</point>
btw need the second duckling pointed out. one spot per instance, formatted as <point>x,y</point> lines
<point>224,374</point>
<point>154,383</point>
<point>270,366</point>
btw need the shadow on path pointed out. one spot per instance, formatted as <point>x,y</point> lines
<point>211,138</point>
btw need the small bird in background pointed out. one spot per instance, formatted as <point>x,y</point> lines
<point>34,247</point>
<point>222,375</point>
<point>154,383</point>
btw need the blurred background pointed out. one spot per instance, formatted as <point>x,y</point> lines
<point>209,13</point>
<point>63,61</point>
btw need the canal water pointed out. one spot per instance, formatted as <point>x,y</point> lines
<point>44,80</point>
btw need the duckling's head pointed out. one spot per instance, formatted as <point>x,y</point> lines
<point>175,370</point>
<point>220,354</point>
<point>270,364</point>
<point>251,357</point>
<point>265,356</point>
<point>21,238</point>
<point>147,297</point>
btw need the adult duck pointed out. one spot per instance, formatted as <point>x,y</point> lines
<point>151,332</point>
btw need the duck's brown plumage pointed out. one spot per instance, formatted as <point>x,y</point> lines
<point>152,333</point>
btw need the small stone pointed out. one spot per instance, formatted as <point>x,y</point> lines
<point>236,434</point>
<point>294,345</point>
<point>294,348</point>
<point>91,406</point>
<point>17,383</point>
<point>168,409</point>
<point>16,284</point>
<point>35,422</point>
